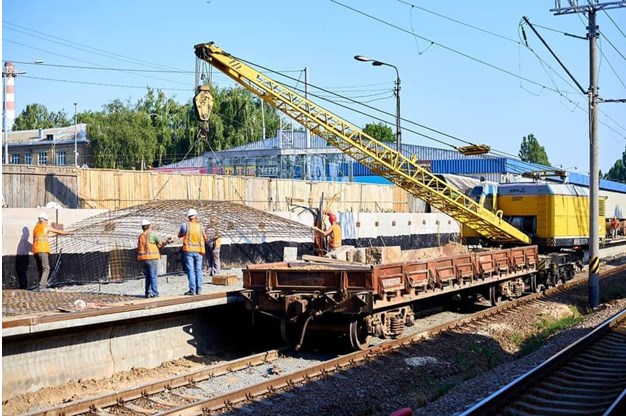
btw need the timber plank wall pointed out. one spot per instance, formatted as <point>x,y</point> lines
<point>32,186</point>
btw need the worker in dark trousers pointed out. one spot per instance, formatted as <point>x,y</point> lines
<point>148,245</point>
<point>213,254</point>
<point>41,249</point>
<point>194,241</point>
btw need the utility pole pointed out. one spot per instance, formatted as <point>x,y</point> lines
<point>75,137</point>
<point>307,162</point>
<point>590,8</point>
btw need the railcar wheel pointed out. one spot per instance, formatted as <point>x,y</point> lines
<point>534,286</point>
<point>494,296</point>
<point>359,338</point>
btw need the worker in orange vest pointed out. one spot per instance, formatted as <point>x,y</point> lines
<point>194,240</point>
<point>334,231</point>
<point>41,249</point>
<point>148,245</point>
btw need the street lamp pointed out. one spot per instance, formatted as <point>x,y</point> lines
<point>396,91</point>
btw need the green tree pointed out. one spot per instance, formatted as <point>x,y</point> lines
<point>618,170</point>
<point>157,130</point>
<point>237,118</point>
<point>121,137</point>
<point>37,116</point>
<point>380,131</point>
<point>531,151</point>
<point>175,125</point>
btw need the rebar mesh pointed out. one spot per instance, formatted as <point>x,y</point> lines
<point>102,248</point>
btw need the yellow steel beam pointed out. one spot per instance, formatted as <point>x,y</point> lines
<point>381,159</point>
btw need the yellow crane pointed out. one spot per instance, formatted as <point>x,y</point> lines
<point>351,140</point>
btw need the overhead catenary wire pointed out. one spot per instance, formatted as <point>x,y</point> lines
<point>556,90</point>
<point>81,60</point>
<point>347,101</point>
<point>82,47</point>
<point>378,110</point>
<point>413,6</point>
<point>463,54</point>
<point>613,21</point>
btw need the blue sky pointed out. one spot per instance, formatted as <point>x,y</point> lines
<point>477,81</point>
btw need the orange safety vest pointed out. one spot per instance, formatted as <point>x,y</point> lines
<point>145,249</point>
<point>40,239</point>
<point>193,240</point>
<point>335,240</point>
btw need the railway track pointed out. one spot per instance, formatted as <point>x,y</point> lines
<point>587,378</point>
<point>185,394</point>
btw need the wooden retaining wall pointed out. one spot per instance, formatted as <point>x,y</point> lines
<point>32,186</point>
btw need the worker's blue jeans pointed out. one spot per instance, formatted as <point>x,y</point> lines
<point>150,271</point>
<point>193,261</point>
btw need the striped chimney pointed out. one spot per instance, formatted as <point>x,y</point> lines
<point>9,75</point>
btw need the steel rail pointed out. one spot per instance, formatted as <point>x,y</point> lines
<point>250,393</point>
<point>247,394</point>
<point>524,395</point>
<point>186,379</point>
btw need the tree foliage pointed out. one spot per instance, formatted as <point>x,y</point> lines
<point>531,151</point>
<point>618,170</point>
<point>157,130</point>
<point>380,131</point>
<point>36,116</point>
<point>237,118</point>
<point>121,137</point>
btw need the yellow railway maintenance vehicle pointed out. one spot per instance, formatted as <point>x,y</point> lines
<point>554,215</point>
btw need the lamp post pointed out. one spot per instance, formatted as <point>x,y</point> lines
<point>396,91</point>
<point>4,119</point>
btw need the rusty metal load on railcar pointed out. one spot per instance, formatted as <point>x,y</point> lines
<point>385,283</point>
<point>380,296</point>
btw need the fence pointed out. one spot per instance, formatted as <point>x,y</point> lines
<point>32,186</point>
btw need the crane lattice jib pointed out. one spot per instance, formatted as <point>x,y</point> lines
<point>404,172</point>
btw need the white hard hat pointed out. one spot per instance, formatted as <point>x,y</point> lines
<point>192,212</point>
<point>145,222</point>
<point>43,216</point>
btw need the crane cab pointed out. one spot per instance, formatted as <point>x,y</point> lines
<point>554,215</point>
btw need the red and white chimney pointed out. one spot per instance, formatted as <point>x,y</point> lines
<point>9,75</point>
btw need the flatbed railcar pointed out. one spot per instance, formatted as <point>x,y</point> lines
<point>365,301</point>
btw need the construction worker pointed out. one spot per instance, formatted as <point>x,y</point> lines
<point>614,227</point>
<point>148,245</point>
<point>194,240</point>
<point>41,249</point>
<point>213,254</point>
<point>334,232</point>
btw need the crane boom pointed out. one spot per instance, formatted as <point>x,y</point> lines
<point>351,140</point>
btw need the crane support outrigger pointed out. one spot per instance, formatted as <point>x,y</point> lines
<point>381,159</point>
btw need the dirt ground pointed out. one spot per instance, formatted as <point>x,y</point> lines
<point>81,389</point>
